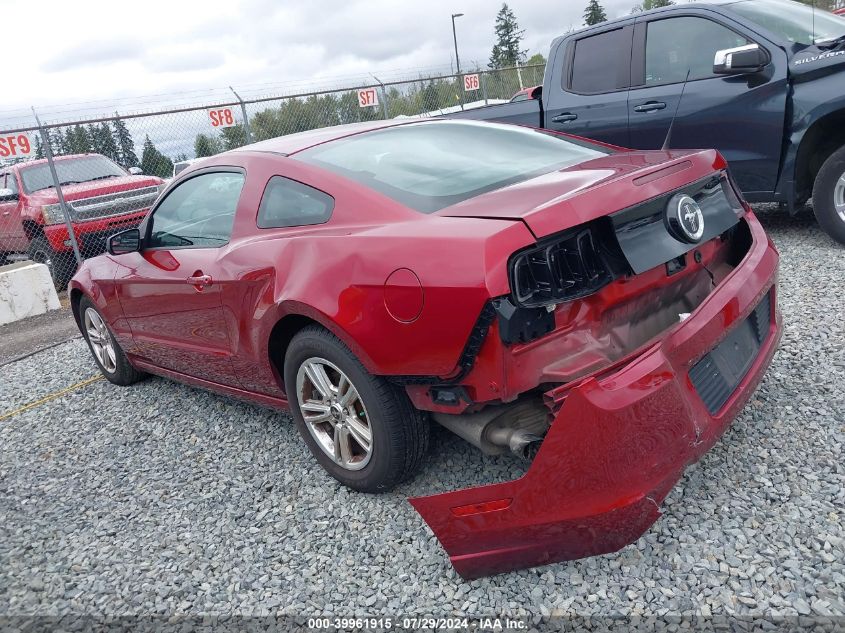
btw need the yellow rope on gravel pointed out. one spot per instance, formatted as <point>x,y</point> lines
<point>47,398</point>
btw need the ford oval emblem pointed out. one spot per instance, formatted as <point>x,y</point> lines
<point>685,218</point>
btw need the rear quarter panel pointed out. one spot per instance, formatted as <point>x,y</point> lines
<point>335,274</point>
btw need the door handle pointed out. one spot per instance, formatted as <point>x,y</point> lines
<point>566,117</point>
<point>651,106</point>
<point>200,281</point>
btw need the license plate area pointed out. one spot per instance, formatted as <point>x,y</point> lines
<point>717,375</point>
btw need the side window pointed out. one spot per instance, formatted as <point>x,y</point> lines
<point>675,46</point>
<point>290,203</point>
<point>198,213</point>
<point>602,63</point>
<point>11,182</point>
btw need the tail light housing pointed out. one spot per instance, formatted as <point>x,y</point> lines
<point>564,268</point>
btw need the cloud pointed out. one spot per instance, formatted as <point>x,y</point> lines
<point>89,54</point>
<point>183,58</point>
<point>169,52</point>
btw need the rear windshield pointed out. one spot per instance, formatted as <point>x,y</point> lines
<point>70,171</point>
<point>432,165</point>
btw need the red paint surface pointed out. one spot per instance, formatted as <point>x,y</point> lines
<point>627,421</point>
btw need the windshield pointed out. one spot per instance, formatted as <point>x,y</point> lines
<point>792,20</point>
<point>70,171</point>
<point>429,166</point>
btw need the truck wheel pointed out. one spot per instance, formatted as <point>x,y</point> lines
<point>62,265</point>
<point>363,430</point>
<point>104,348</point>
<point>829,196</point>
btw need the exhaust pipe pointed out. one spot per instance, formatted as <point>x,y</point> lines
<point>518,427</point>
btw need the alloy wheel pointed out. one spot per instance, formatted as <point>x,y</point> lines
<point>100,340</point>
<point>839,197</point>
<point>334,413</point>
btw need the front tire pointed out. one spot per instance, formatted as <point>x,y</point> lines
<point>62,266</point>
<point>104,348</point>
<point>362,430</point>
<point>829,196</point>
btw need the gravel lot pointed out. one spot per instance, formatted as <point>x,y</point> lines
<point>162,499</point>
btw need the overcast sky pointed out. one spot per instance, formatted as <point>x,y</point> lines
<point>72,58</point>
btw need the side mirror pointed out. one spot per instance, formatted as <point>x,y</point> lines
<point>7,195</point>
<point>128,241</point>
<point>740,60</point>
<point>537,93</point>
<point>136,171</point>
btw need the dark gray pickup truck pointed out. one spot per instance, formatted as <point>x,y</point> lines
<point>763,81</point>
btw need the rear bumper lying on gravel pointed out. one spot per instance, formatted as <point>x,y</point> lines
<point>621,440</point>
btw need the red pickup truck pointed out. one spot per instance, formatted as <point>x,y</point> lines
<point>102,197</point>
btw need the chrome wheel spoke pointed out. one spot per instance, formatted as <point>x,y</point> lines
<point>349,397</point>
<point>360,432</point>
<point>320,380</point>
<point>345,449</point>
<point>839,197</point>
<point>318,410</point>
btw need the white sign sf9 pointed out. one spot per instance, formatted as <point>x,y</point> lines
<point>222,117</point>
<point>16,146</point>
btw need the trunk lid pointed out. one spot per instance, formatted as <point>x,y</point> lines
<point>569,197</point>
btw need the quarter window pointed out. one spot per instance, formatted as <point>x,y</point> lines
<point>12,182</point>
<point>602,62</point>
<point>290,203</point>
<point>675,46</point>
<point>199,213</point>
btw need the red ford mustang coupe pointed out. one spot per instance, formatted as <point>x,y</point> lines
<point>602,312</point>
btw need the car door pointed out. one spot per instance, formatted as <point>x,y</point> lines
<point>592,74</point>
<point>12,237</point>
<point>741,116</point>
<point>170,291</point>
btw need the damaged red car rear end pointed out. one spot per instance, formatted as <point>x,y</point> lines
<point>604,313</point>
<point>645,312</point>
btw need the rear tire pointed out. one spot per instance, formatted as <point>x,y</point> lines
<point>829,196</point>
<point>104,348</point>
<point>62,265</point>
<point>362,430</point>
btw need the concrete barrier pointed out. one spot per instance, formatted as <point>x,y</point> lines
<point>26,289</point>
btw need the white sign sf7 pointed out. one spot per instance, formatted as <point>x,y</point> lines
<point>367,97</point>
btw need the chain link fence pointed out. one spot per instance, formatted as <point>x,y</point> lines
<point>66,185</point>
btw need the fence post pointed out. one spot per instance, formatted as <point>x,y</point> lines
<point>383,96</point>
<point>243,112</point>
<point>48,153</point>
<point>484,86</point>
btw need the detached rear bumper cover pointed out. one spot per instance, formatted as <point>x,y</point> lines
<point>616,447</point>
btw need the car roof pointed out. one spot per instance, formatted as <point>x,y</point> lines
<point>293,143</point>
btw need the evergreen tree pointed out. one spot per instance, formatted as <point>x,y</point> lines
<point>39,147</point>
<point>594,13</point>
<point>235,136</point>
<point>105,141</point>
<point>153,162</point>
<point>205,145</point>
<point>125,144</point>
<point>506,51</point>
<point>94,138</point>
